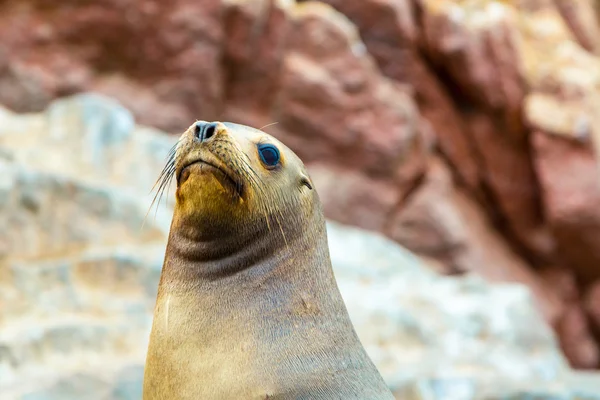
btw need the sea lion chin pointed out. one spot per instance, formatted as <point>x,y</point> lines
<point>247,304</point>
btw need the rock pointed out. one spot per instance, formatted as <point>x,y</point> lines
<point>576,339</point>
<point>442,222</point>
<point>592,306</point>
<point>428,226</point>
<point>580,16</point>
<point>585,385</point>
<point>77,312</point>
<point>329,103</point>
<point>568,75</point>
<point>128,385</point>
<point>167,71</point>
<point>351,197</point>
<point>87,386</point>
<point>77,287</point>
<point>511,184</point>
<point>392,34</point>
<point>561,281</point>
<point>256,33</point>
<point>496,324</point>
<point>72,389</point>
<point>570,204</point>
<point>368,92</point>
<point>477,47</point>
<point>44,199</point>
<point>370,123</point>
<point>510,90</point>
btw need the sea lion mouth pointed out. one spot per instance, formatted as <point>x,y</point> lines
<point>220,173</point>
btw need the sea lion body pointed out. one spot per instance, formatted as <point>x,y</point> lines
<point>247,305</point>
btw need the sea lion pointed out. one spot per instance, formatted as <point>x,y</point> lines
<point>247,304</point>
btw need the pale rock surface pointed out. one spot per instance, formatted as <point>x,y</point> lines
<point>78,287</point>
<point>78,272</point>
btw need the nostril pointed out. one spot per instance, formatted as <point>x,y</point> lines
<point>209,130</point>
<point>205,130</point>
<point>198,129</point>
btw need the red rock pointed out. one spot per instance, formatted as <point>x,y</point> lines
<point>442,222</point>
<point>426,222</point>
<point>351,197</point>
<point>562,282</point>
<point>580,16</point>
<point>256,62</point>
<point>334,105</point>
<point>310,77</point>
<point>170,50</point>
<point>498,81</point>
<point>576,340</point>
<point>391,35</point>
<point>571,192</point>
<point>511,184</point>
<point>438,108</point>
<point>592,306</point>
<point>255,38</point>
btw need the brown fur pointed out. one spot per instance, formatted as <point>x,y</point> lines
<point>247,305</point>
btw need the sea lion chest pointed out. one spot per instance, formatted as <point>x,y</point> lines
<point>249,343</point>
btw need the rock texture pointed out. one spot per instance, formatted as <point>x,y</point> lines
<point>77,272</point>
<point>78,279</point>
<point>510,90</point>
<point>156,56</point>
<point>464,130</point>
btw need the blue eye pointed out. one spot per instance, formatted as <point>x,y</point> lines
<point>268,154</point>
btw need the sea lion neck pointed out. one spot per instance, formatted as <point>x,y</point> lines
<point>199,255</point>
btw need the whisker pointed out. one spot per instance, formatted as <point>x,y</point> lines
<point>163,181</point>
<point>282,234</point>
<point>170,161</point>
<point>252,177</point>
<point>158,195</point>
<point>271,124</point>
<point>164,187</point>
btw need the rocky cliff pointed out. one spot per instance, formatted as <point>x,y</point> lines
<point>463,130</point>
<point>80,264</point>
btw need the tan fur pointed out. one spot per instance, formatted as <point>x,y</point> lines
<point>247,305</point>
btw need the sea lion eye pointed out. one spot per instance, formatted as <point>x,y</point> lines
<point>269,154</point>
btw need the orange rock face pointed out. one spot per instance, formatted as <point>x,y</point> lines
<point>466,131</point>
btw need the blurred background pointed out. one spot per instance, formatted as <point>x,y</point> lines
<point>454,145</point>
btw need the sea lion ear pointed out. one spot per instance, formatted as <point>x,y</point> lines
<point>306,182</point>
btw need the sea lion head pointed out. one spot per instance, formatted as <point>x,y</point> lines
<point>232,179</point>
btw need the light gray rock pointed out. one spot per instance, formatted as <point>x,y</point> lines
<point>80,262</point>
<point>447,334</point>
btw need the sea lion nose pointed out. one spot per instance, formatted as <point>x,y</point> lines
<point>205,130</point>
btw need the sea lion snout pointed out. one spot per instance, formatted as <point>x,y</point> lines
<point>205,130</point>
